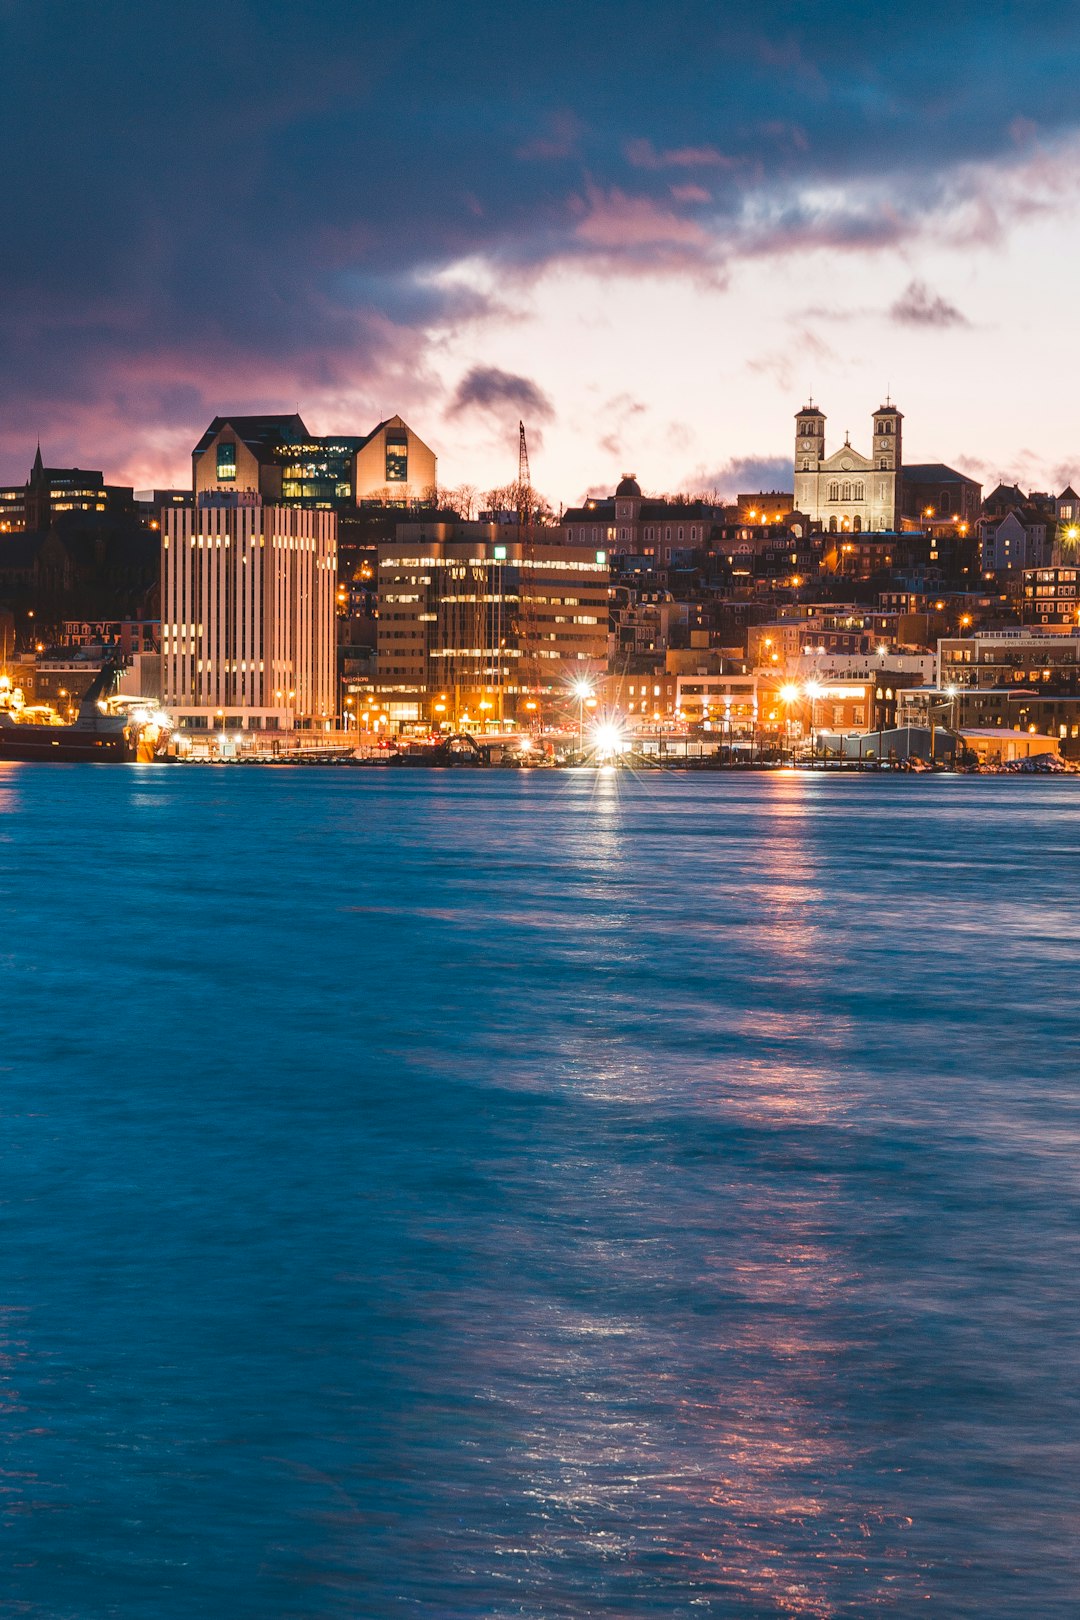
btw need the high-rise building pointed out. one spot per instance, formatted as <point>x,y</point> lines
<point>248,616</point>
<point>480,627</point>
<point>848,492</point>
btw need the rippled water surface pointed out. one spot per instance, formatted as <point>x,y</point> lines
<point>480,1194</point>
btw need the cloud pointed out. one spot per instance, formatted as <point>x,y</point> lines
<point>918,306</point>
<point>691,193</point>
<point>486,388</point>
<point>744,475</point>
<point>642,154</point>
<point>624,417</point>
<point>272,219</point>
<point>615,221</point>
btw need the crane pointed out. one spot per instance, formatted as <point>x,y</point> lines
<point>529,685</point>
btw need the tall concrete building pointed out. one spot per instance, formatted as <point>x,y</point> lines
<point>477,627</point>
<point>847,492</point>
<point>248,617</point>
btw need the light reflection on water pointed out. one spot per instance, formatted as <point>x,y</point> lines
<point>538,1195</point>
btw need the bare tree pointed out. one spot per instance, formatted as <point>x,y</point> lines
<point>462,500</point>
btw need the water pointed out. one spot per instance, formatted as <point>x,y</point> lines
<point>455,1195</point>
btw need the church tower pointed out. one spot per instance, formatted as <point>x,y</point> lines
<point>809,454</point>
<point>38,502</point>
<point>888,460</point>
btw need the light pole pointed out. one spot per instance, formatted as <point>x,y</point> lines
<point>813,692</point>
<point>582,690</point>
<point>789,694</point>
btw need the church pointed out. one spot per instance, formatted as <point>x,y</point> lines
<point>847,492</point>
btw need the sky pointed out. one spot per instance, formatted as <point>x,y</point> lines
<point>651,232</point>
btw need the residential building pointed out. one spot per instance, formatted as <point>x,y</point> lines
<point>479,626</point>
<point>863,555</point>
<point>128,636</point>
<point>1021,538</point>
<point>820,630</point>
<point>1051,597</point>
<point>248,616</point>
<point>848,492</point>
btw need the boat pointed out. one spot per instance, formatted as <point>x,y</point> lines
<point>460,749</point>
<point>109,729</point>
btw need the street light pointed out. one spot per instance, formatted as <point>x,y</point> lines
<point>582,689</point>
<point>789,694</point>
<point>814,690</point>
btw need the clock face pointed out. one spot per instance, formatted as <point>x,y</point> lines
<point>807,444</point>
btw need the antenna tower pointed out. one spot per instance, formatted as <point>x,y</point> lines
<point>529,686</point>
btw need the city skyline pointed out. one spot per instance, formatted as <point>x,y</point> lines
<point>651,254</point>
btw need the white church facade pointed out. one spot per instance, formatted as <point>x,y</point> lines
<point>847,492</point>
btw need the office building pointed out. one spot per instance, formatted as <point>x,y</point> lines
<point>248,616</point>
<point>278,457</point>
<point>479,628</point>
<point>51,491</point>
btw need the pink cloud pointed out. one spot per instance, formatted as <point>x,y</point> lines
<point>613,220</point>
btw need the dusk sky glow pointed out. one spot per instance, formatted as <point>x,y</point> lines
<point>649,231</point>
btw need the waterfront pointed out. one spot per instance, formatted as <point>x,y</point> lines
<point>539,1194</point>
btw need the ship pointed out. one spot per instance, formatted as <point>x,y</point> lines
<point>109,729</point>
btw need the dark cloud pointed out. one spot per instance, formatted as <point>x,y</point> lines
<point>745,475</point>
<point>918,306</point>
<point>251,203</point>
<point>487,388</point>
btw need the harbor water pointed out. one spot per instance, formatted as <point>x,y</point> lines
<point>538,1194</point>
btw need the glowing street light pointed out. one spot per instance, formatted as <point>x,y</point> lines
<point>608,739</point>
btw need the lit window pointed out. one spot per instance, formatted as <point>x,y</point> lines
<point>397,461</point>
<point>226,463</point>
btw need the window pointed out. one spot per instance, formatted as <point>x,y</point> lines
<point>226,463</point>
<point>834,492</point>
<point>397,461</point>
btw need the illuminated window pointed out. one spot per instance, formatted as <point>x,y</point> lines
<point>397,461</point>
<point>226,463</point>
